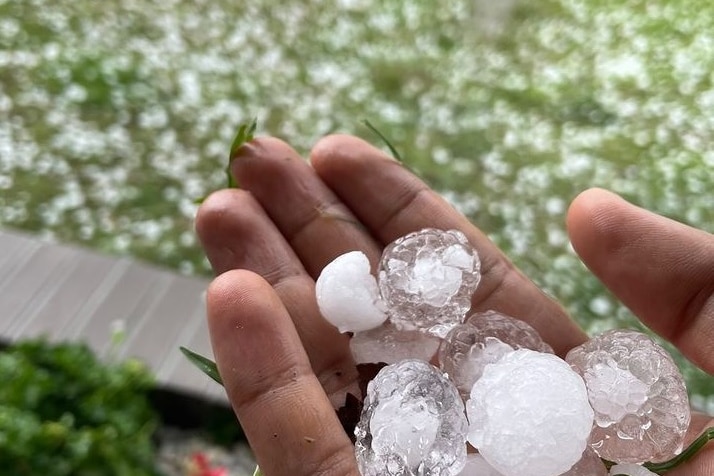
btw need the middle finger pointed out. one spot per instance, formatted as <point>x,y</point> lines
<point>392,202</point>
<point>317,225</point>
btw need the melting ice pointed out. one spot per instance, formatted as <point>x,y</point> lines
<point>427,279</point>
<point>412,423</point>
<point>638,394</point>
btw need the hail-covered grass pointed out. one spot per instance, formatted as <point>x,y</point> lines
<point>116,116</point>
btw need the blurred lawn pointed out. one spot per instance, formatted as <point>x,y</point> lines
<point>115,116</point>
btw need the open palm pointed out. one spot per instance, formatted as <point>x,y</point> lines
<point>284,366</point>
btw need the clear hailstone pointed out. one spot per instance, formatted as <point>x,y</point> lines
<point>412,423</point>
<point>347,294</point>
<point>529,414</point>
<point>388,344</point>
<point>484,338</point>
<point>630,470</point>
<point>427,279</point>
<point>477,466</point>
<point>589,465</point>
<point>640,400</point>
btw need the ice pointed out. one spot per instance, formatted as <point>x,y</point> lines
<point>477,466</point>
<point>484,338</point>
<point>388,344</point>
<point>640,400</point>
<point>412,423</point>
<point>347,294</point>
<point>529,414</point>
<point>614,392</point>
<point>427,279</point>
<point>465,368</point>
<point>589,465</point>
<point>397,423</point>
<point>630,470</point>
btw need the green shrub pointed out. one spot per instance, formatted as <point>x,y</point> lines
<point>63,412</point>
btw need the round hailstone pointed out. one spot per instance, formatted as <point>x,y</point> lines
<point>347,294</point>
<point>529,414</point>
<point>427,279</point>
<point>412,423</point>
<point>640,400</point>
<point>630,470</point>
<point>388,344</point>
<point>589,465</point>
<point>484,338</point>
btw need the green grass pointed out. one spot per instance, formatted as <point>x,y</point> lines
<point>115,118</point>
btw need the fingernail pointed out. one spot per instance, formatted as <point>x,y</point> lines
<point>245,151</point>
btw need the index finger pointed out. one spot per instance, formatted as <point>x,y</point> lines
<point>391,202</point>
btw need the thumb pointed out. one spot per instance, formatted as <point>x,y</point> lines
<point>661,269</point>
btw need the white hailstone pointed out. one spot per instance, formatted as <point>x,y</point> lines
<point>630,470</point>
<point>347,294</point>
<point>529,415</point>
<point>484,338</point>
<point>589,465</point>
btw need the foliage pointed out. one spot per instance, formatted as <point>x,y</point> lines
<point>63,412</point>
<point>204,364</point>
<point>115,117</point>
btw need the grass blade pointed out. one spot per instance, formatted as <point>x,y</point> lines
<point>205,365</point>
<point>246,133</point>
<point>386,141</point>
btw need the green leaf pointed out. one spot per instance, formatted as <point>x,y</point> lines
<point>246,133</point>
<point>257,471</point>
<point>205,365</point>
<point>384,139</point>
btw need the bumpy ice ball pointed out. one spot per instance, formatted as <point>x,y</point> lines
<point>484,338</point>
<point>347,294</point>
<point>640,400</point>
<point>412,423</point>
<point>529,414</point>
<point>427,279</point>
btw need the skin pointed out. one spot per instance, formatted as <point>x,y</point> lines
<point>282,363</point>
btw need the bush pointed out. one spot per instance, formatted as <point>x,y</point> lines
<point>63,412</point>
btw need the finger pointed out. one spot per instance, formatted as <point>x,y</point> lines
<point>392,202</point>
<point>290,424</point>
<point>662,270</point>
<point>237,234</point>
<point>310,217</point>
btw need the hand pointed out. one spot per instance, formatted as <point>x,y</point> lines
<point>282,363</point>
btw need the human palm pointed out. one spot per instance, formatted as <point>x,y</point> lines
<point>284,367</point>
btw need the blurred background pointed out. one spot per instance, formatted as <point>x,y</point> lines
<point>116,116</point>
